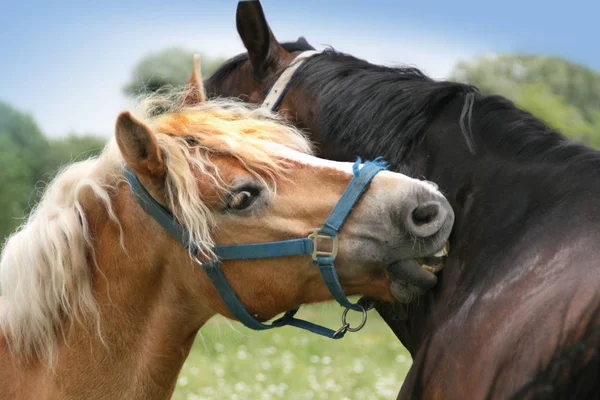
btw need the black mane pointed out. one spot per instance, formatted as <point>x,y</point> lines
<point>348,88</point>
<point>370,111</point>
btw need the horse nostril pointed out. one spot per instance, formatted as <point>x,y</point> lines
<point>425,213</point>
<point>426,219</point>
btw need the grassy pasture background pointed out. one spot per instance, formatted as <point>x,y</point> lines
<point>54,56</point>
<point>229,361</point>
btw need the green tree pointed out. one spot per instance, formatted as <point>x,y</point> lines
<point>489,75</point>
<point>595,140</point>
<point>16,183</point>
<point>69,149</point>
<point>20,127</point>
<point>563,94</point>
<point>21,145</point>
<point>580,86</point>
<point>170,67</point>
<point>28,160</point>
<point>553,109</point>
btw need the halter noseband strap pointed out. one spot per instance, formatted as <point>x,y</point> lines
<point>280,87</point>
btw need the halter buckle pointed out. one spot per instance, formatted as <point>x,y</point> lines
<point>316,236</point>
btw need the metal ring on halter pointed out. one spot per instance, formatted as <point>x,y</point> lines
<point>360,326</point>
<point>342,329</point>
<point>346,326</point>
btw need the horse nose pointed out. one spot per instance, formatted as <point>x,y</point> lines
<point>426,219</point>
<point>435,185</point>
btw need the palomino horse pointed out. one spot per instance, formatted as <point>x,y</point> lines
<point>103,300</point>
<point>516,310</point>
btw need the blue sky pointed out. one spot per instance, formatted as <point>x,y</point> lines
<point>65,62</point>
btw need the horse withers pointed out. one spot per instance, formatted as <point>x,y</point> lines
<point>516,311</point>
<point>104,285</point>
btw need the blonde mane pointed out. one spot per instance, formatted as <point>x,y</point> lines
<point>45,271</point>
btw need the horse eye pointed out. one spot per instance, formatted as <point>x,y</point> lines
<point>240,200</point>
<point>191,140</point>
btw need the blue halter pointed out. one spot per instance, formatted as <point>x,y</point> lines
<point>294,247</point>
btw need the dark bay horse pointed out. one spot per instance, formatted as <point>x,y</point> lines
<point>516,311</point>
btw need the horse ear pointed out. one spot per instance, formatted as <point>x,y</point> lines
<point>194,92</point>
<point>139,147</point>
<point>303,42</point>
<point>263,49</point>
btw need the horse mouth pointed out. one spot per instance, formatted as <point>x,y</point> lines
<point>411,278</point>
<point>434,263</point>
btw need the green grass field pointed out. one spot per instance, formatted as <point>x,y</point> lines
<point>229,361</point>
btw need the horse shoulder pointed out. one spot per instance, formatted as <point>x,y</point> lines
<point>19,379</point>
<point>513,332</point>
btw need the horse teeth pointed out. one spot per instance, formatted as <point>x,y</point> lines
<point>432,269</point>
<point>443,252</point>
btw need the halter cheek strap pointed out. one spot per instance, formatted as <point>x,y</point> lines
<point>280,87</point>
<point>286,248</point>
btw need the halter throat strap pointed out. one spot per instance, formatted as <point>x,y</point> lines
<point>280,87</point>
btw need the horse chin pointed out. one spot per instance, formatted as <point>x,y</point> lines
<point>405,292</point>
<point>412,278</point>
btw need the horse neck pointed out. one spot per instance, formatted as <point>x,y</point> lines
<point>508,205</point>
<point>491,190</point>
<point>148,316</point>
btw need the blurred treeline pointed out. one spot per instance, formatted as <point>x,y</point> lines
<point>28,160</point>
<point>565,95</point>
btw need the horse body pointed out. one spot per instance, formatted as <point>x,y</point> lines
<point>516,311</point>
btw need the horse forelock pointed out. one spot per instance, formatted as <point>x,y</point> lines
<point>190,135</point>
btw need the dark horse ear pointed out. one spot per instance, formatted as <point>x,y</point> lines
<point>263,48</point>
<point>304,43</point>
